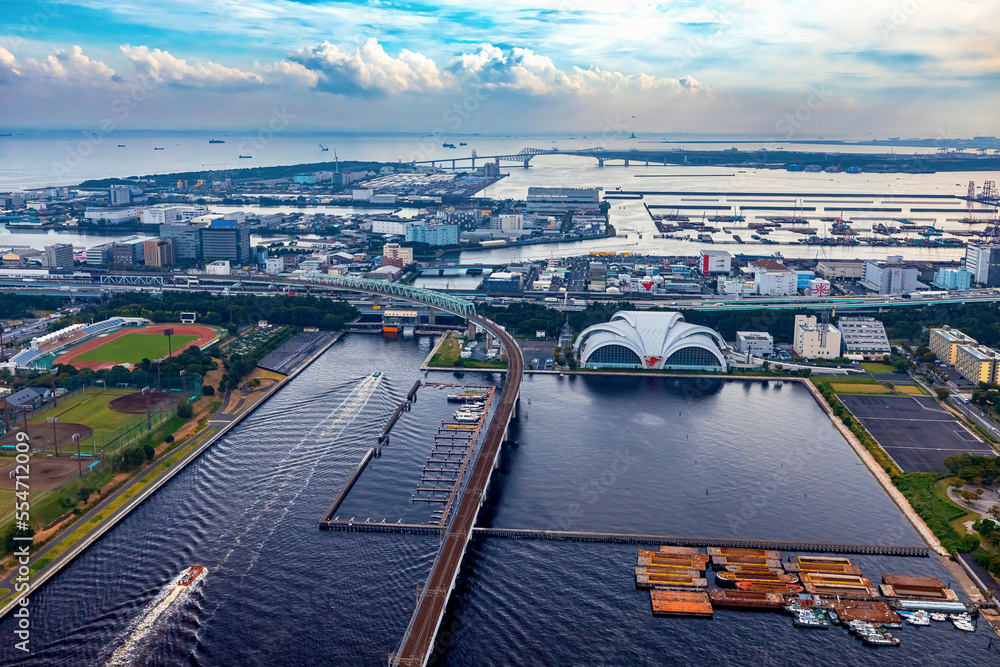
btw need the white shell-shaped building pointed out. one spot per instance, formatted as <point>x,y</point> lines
<point>651,340</point>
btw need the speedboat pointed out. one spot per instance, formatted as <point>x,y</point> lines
<point>376,374</point>
<point>190,574</point>
<point>919,618</point>
<point>963,622</point>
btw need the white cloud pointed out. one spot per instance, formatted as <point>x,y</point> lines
<point>162,67</point>
<point>369,69</point>
<point>286,71</point>
<point>72,67</point>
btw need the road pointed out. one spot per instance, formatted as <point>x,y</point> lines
<point>419,638</point>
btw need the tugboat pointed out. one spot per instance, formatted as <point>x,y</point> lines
<point>810,618</point>
<point>190,574</point>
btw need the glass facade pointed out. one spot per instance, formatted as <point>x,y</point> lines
<point>692,358</point>
<point>614,356</point>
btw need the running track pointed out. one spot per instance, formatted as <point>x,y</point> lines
<point>205,336</point>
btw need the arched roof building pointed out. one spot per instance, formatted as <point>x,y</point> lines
<point>636,339</point>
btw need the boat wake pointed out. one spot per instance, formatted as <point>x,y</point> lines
<point>145,625</point>
<point>307,452</point>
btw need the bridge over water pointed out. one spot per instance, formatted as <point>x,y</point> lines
<point>525,155</point>
<point>418,640</point>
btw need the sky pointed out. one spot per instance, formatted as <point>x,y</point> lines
<point>776,68</point>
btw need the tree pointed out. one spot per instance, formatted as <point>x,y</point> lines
<point>942,393</point>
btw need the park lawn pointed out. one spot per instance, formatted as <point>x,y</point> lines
<point>89,408</point>
<point>842,379</point>
<point>132,348</point>
<point>447,354</point>
<point>909,389</point>
<point>876,367</point>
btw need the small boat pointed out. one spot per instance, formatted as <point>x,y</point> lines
<point>245,157</point>
<point>121,145</point>
<point>462,143</point>
<point>920,617</point>
<point>877,638</point>
<point>157,148</point>
<point>810,618</point>
<point>963,622</point>
<point>216,141</point>
<point>376,374</point>
<point>464,417</point>
<point>834,618</point>
<point>939,617</point>
<point>190,574</point>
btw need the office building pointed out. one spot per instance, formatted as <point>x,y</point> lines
<point>159,252</point>
<point>813,340</point>
<point>59,256</point>
<point>944,343</point>
<point>111,216</point>
<point>864,336</point>
<point>395,255</point>
<point>99,254</point>
<point>127,252</point>
<point>226,239</point>
<point>889,277</point>
<point>983,263</point>
<point>952,279</point>
<point>186,237</point>
<point>436,235</point>
<point>119,195</point>
<point>757,343</point>
<point>274,265</point>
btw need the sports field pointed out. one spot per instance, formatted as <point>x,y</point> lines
<point>134,347</point>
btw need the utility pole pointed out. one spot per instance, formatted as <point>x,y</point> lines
<point>24,410</point>
<point>3,356</point>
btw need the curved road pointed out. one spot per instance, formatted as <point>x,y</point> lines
<point>419,638</point>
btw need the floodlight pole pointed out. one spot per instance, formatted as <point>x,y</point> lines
<point>55,442</point>
<point>54,372</point>
<point>79,457</point>
<point>3,356</point>
<point>149,423</point>
<point>24,410</point>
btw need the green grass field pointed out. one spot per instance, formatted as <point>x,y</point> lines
<point>134,347</point>
<point>89,408</point>
<point>876,367</point>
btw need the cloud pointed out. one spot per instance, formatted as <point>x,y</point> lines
<point>524,70</point>
<point>162,67</point>
<point>285,71</point>
<point>71,67</point>
<point>368,69</point>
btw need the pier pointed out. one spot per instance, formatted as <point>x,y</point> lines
<point>415,647</point>
<point>348,485</point>
<point>680,541</point>
<point>384,435</point>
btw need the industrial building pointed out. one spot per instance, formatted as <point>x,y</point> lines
<point>432,234</point>
<point>864,336</point>
<point>772,278</point>
<point>650,340</point>
<point>715,261</point>
<point>840,270</point>
<point>977,363</point>
<point>889,277</point>
<point>944,343</point>
<point>558,201</point>
<point>757,343</point>
<point>166,214</point>
<point>814,340</point>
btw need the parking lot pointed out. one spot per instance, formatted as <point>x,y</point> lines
<point>917,433</point>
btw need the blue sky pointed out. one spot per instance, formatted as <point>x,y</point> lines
<point>774,67</point>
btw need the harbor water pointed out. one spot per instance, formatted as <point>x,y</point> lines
<point>280,591</point>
